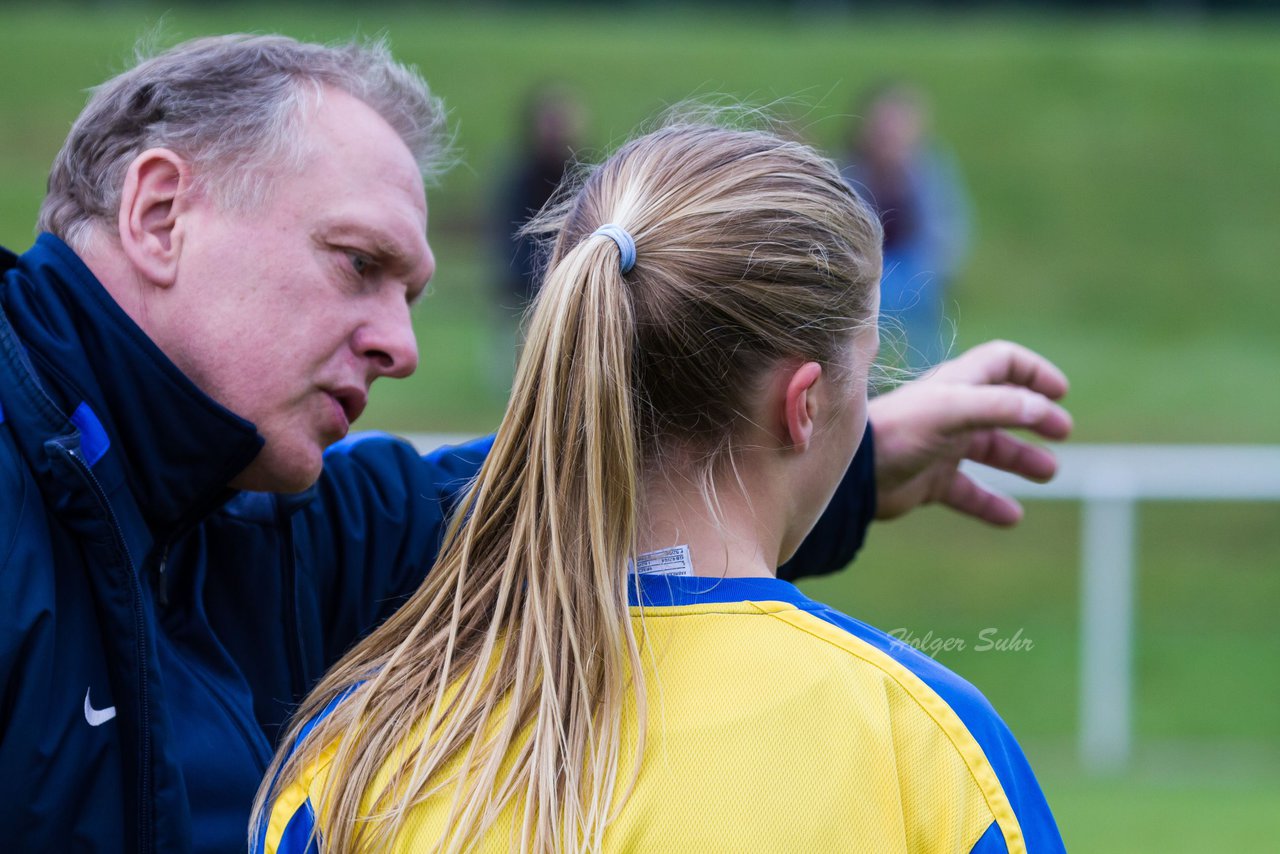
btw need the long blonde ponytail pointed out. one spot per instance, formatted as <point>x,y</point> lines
<point>526,608</point>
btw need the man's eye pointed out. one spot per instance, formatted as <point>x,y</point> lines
<point>362,264</point>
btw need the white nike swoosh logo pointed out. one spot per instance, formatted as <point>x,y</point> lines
<point>96,717</point>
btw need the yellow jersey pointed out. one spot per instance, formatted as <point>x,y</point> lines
<point>778,724</point>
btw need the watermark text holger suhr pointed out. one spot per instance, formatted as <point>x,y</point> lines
<point>987,640</point>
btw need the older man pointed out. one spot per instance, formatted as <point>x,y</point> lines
<point>233,236</point>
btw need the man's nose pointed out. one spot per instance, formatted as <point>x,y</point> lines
<point>388,341</point>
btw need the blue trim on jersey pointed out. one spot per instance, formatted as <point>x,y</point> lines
<point>992,842</point>
<point>659,591</point>
<point>991,733</point>
<point>298,831</point>
<point>93,436</point>
<point>298,838</point>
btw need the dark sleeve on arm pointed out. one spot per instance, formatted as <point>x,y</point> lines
<point>842,528</point>
<point>374,529</point>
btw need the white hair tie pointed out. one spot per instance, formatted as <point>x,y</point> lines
<point>626,245</point>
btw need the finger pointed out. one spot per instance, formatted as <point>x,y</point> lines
<point>967,496</point>
<point>1006,452</point>
<point>1004,362</point>
<point>1005,407</point>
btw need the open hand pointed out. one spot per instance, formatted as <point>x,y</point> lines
<point>964,410</point>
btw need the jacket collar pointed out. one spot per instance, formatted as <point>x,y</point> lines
<point>75,368</point>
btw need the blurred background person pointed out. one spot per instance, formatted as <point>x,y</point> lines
<point>552,121</point>
<point>916,188</point>
<point>551,133</point>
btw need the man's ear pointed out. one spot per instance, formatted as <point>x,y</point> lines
<point>800,404</point>
<point>155,192</point>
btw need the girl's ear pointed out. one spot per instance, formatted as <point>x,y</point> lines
<point>800,404</point>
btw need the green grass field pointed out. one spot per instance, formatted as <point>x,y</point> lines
<point>1125,182</point>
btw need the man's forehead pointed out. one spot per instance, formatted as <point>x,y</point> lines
<point>346,131</point>
<point>360,161</point>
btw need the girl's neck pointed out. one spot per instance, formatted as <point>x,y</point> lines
<point>736,531</point>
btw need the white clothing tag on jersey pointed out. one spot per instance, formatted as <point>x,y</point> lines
<point>672,561</point>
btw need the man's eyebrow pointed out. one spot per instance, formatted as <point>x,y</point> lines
<point>385,251</point>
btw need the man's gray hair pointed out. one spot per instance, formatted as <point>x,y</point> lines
<point>233,106</point>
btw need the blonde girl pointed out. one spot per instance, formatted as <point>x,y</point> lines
<point>603,658</point>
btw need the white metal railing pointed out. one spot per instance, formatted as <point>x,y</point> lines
<point>1110,480</point>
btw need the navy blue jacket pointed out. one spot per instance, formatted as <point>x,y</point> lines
<point>157,628</point>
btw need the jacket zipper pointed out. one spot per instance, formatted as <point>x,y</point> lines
<point>161,579</point>
<point>144,784</point>
<point>298,679</point>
